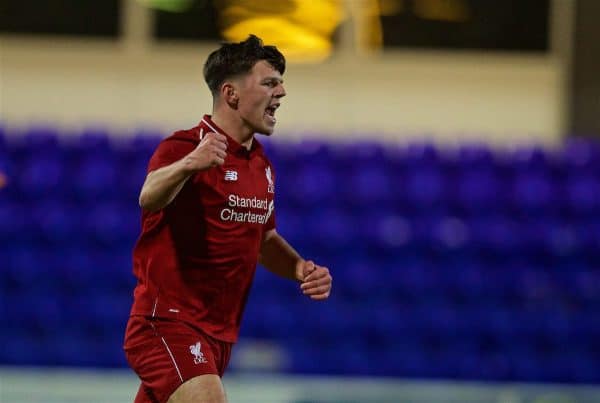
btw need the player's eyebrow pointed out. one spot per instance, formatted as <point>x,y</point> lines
<point>272,78</point>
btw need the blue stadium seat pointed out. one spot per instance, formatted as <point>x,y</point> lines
<point>55,221</point>
<point>423,188</point>
<point>533,194</point>
<point>497,235</point>
<point>588,233</point>
<point>581,195</point>
<point>29,268</point>
<point>109,223</point>
<point>292,224</point>
<point>15,223</point>
<point>411,362</point>
<point>75,270</point>
<point>364,187</point>
<point>422,154</point>
<point>385,231</point>
<point>95,178</point>
<point>35,141</point>
<point>349,156</point>
<point>19,347</point>
<point>335,229</point>
<point>474,156</point>
<point>579,155</point>
<point>476,190</point>
<point>307,358</point>
<point>309,185</point>
<point>410,277</point>
<point>93,141</point>
<point>360,280</point>
<point>579,367</point>
<point>40,176</point>
<point>533,159</point>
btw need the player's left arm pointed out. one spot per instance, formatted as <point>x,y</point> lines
<point>279,257</point>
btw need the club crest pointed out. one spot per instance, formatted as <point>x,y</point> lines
<point>270,184</point>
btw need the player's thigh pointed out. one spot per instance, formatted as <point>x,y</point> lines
<point>200,389</point>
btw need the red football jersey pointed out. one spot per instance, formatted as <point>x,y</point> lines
<point>195,259</point>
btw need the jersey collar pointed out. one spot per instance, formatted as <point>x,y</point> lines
<point>233,145</point>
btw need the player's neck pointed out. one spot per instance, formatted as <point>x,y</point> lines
<point>234,127</point>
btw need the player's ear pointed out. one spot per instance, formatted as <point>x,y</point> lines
<point>229,94</point>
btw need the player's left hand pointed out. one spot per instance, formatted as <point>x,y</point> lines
<point>316,282</point>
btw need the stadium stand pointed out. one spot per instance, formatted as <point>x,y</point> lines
<point>464,262</point>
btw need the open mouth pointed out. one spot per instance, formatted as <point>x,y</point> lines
<point>270,112</point>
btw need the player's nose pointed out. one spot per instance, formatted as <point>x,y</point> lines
<point>280,91</point>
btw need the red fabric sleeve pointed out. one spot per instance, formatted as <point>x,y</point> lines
<point>168,151</point>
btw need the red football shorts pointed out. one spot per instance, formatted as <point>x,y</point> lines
<point>165,353</point>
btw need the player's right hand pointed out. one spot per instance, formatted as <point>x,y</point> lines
<point>210,152</point>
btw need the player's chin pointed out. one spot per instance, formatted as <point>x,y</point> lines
<point>265,129</point>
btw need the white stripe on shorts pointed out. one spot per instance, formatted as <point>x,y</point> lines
<point>172,358</point>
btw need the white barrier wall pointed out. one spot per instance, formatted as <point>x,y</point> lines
<point>50,385</point>
<point>500,97</point>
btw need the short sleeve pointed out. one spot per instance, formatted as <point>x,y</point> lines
<point>169,151</point>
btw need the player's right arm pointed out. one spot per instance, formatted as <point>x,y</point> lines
<point>163,184</point>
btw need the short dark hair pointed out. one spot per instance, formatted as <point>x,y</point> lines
<point>233,59</point>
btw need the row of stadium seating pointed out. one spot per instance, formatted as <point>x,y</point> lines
<point>464,262</point>
<point>467,176</point>
<point>108,226</point>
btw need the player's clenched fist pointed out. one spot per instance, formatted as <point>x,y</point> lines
<point>316,280</point>
<point>210,152</point>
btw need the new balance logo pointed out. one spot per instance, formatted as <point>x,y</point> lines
<point>231,175</point>
<point>195,349</point>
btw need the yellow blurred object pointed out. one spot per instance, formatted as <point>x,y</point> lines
<point>175,6</point>
<point>442,10</point>
<point>301,29</point>
<point>368,32</point>
<point>390,7</point>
